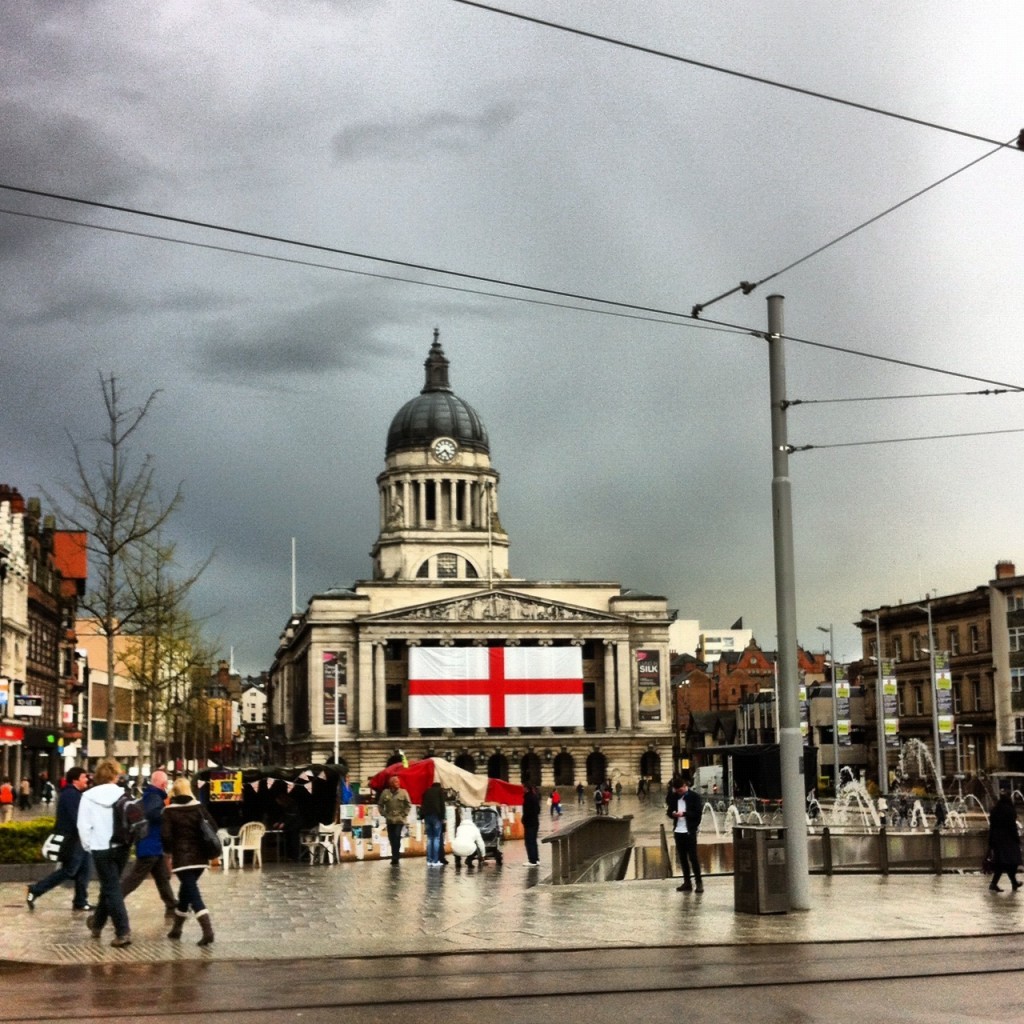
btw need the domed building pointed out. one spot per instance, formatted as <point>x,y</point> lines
<point>444,653</point>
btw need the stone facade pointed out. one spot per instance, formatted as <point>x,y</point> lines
<point>441,578</point>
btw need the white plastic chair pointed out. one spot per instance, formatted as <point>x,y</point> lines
<point>250,840</point>
<point>229,844</point>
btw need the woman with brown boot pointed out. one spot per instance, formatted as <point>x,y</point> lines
<point>183,842</point>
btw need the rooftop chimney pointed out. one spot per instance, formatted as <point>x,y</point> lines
<point>1005,570</point>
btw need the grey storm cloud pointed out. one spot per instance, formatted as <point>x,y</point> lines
<point>434,130</point>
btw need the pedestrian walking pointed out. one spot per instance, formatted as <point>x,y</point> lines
<point>181,832</point>
<point>556,804</point>
<point>25,795</point>
<point>6,801</point>
<point>75,863</point>
<point>96,831</point>
<point>1004,843</point>
<point>48,794</point>
<point>531,823</point>
<point>683,806</point>
<point>581,794</point>
<point>394,806</point>
<point>433,809</point>
<point>149,850</point>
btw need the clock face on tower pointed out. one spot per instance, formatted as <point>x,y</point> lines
<point>444,449</point>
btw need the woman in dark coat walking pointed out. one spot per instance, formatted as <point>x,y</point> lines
<point>1004,842</point>
<point>182,839</point>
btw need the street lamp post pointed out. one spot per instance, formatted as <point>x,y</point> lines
<point>927,608</point>
<point>835,707</point>
<point>883,754</point>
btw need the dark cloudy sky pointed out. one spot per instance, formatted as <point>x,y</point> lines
<point>430,132</point>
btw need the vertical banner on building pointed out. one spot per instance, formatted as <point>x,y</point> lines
<point>648,676</point>
<point>335,683</point>
<point>842,686</point>
<point>944,700</point>
<point>805,710</point>
<point>890,705</point>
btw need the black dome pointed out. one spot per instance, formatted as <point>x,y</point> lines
<point>437,412</point>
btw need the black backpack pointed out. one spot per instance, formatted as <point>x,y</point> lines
<point>130,822</point>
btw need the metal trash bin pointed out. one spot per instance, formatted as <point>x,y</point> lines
<point>760,885</point>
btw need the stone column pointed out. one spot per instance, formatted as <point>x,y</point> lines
<point>625,687</point>
<point>609,685</point>
<point>380,697</point>
<point>365,694</point>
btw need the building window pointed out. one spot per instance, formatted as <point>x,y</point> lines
<point>915,647</point>
<point>954,640</point>
<point>976,694</point>
<point>897,648</point>
<point>972,638</point>
<point>447,566</point>
<point>918,699</point>
<point>1018,731</point>
<point>1016,680</point>
<point>1014,602</point>
<point>873,650</point>
<point>957,699</point>
<point>1016,634</point>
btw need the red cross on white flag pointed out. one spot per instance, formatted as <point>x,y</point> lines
<point>495,687</point>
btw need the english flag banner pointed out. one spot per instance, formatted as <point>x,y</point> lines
<point>495,687</point>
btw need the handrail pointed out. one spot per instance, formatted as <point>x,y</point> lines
<point>575,848</point>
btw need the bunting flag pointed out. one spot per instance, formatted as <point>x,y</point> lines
<point>495,687</point>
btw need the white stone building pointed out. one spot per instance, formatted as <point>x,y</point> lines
<point>441,578</point>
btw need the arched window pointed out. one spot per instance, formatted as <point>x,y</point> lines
<point>447,566</point>
<point>565,769</point>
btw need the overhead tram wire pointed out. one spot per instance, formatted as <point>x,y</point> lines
<point>798,448</point>
<point>760,80</point>
<point>633,309</point>
<point>747,287</point>
<point>334,250</point>
<point>668,318</point>
<point>894,398</point>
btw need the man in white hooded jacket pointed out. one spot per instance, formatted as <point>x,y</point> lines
<point>467,841</point>
<point>96,830</point>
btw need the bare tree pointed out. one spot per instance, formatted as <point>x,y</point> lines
<point>168,643</point>
<point>116,503</point>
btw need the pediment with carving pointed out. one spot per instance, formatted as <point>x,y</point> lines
<point>493,606</point>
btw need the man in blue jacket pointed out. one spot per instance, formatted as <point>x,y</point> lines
<point>76,864</point>
<point>149,851</point>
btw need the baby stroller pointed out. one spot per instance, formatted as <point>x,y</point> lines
<point>488,821</point>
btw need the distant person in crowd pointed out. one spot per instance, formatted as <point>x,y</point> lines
<point>599,800</point>
<point>181,834</point>
<point>940,813</point>
<point>433,810</point>
<point>149,851</point>
<point>394,806</point>
<point>683,806</point>
<point>48,793</point>
<point>6,801</point>
<point>581,794</point>
<point>24,795</point>
<point>1004,842</point>
<point>96,829</point>
<point>531,823</point>
<point>345,792</point>
<point>467,841</point>
<point>289,822</point>
<point>556,804</point>
<point>75,865</point>
<point>618,790</point>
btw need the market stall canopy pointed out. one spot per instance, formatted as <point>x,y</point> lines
<point>472,790</point>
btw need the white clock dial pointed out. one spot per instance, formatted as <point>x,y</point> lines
<point>444,449</point>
